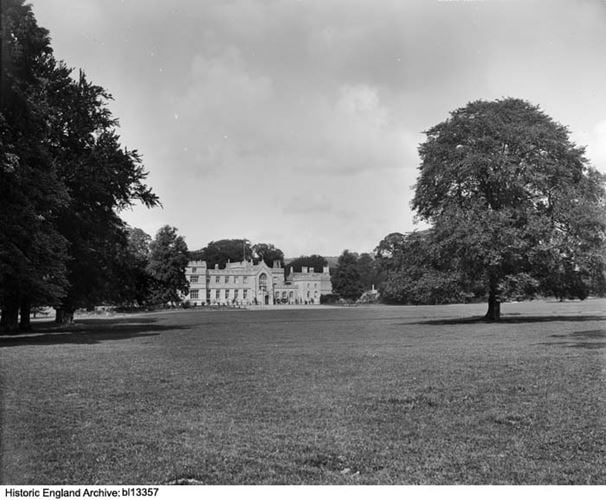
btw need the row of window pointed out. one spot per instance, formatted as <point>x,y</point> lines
<point>236,280</point>
<point>230,279</point>
<point>228,294</point>
<point>194,294</point>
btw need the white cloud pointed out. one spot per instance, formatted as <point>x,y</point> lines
<point>317,106</point>
<point>363,135</point>
<point>221,110</point>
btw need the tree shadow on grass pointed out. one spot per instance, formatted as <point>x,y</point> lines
<point>584,339</point>
<point>577,345</point>
<point>509,320</point>
<point>88,331</point>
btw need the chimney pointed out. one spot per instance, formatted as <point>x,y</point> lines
<point>304,269</point>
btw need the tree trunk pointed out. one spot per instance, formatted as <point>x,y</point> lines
<point>494,306</point>
<point>9,320</point>
<point>64,316</point>
<point>25,311</point>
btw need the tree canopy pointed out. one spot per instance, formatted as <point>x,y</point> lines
<point>135,284</point>
<point>314,262</point>
<point>512,200</point>
<point>102,178</point>
<point>64,177</point>
<point>413,273</point>
<point>346,279</point>
<point>32,250</point>
<point>221,252</point>
<point>168,258</point>
<point>268,253</point>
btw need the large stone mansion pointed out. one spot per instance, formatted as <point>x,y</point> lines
<point>246,283</point>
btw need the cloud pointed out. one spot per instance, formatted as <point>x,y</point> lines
<point>220,112</point>
<point>300,120</point>
<point>232,117</point>
<point>312,202</point>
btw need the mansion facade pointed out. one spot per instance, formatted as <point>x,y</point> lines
<point>246,283</point>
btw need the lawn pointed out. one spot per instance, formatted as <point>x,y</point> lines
<point>364,395</point>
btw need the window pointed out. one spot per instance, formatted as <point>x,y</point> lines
<point>193,294</point>
<point>236,294</point>
<point>245,279</point>
<point>227,294</point>
<point>194,269</point>
<point>263,281</point>
<point>244,293</point>
<point>193,278</point>
<point>236,279</point>
<point>217,294</point>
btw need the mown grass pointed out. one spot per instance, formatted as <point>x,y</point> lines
<point>368,395</point>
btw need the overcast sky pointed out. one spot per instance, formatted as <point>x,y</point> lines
<point>296,122</point>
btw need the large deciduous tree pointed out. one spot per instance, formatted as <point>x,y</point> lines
<point>33,253</point>
<point>513,201</point>
<point>168,259</point>
<point>346,280</point>
<point>64,178</point>
<point>102,178</point>
<point>368,271</point>
<point>135,285</point>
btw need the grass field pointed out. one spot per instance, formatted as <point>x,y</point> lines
<point>366,395</point>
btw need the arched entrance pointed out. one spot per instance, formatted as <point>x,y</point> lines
<point>263,288</point>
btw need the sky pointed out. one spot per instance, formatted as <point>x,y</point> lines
<point>297,122</point>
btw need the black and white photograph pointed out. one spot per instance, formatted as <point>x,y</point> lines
<point>299,243</point>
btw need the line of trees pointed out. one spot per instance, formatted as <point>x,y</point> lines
<point>152,272</point>
<point>515,211</point>
<point>221,252</point>
<point>64,178</point>
<point>514,207</point>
